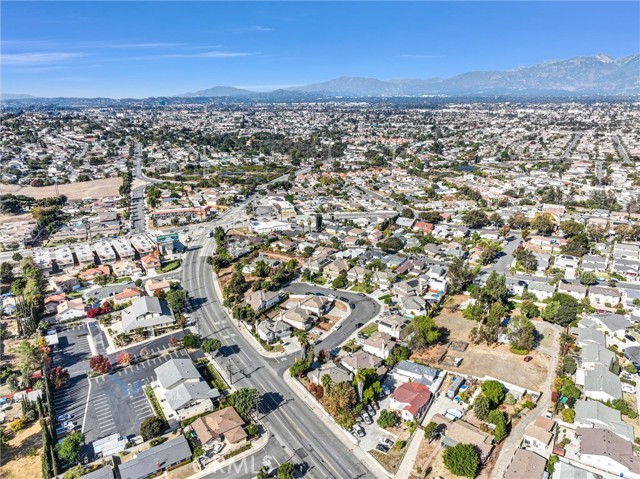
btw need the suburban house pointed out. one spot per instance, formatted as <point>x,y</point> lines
<point>356,274</point>
<point>298,318</point>
<point>594,414</point>
<point>527,464</point>
<point>333,269</point>
<point>576,290</point>
<point>317,305</point>
<point>592,354</point>
<point>224,425</point>
<point>160,458</point>
<point>412,306</point>
<point>272,331</point>
<point>393,325</point>
<point>64,283</point>
<point>538,436</point>
<point>263,300</point>
<point>587,334</point>
<point>460,431</point>
<point>70,309</point>
<point>147,313</point>
<point>150,262</point>
<point>361,360</point>
<point>409,371</point>
<point>125,268</point>
<point>601,384</point>
<point>603,296</point>
<point>379,344</point>
<point>337,373</point>
<point>541,290</point>
<point>609,323</point>
<point>515,286</point>
<point>608,452</point>
<point>182,387</point>
<point>91,273</point>
<point>412,400</point>
<point>411,287</point>
<point>154,285</point>
<point>126,295</point>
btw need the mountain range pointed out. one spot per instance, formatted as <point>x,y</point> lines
<point>593,75</point>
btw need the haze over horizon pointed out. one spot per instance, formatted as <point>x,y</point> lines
<point>131,49</point>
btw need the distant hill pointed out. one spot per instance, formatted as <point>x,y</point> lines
<point>15,96</point>
<point>594,75</point>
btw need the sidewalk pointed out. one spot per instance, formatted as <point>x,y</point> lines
<point>409,459</point>
<point>345,437</point>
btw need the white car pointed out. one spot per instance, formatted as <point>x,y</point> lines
<point>628,388</point>
<point>217,448</point>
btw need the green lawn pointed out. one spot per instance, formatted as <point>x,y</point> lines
<point>369,329</point>
<point>362,288</point>
<point>170,266</point>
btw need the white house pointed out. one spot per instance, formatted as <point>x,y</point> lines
<point>379,344</point>
<point>538,436</point>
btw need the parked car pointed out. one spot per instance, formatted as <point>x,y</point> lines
<point>628,388</point>
<point>383,448</point>
<point>68,425</point>
<point>63,417</point>
<point>217,448</point>
<point>342,298</point>
<point>629,337</point>
<point>332,296</point>
<point>366,418</point>
<point>358,430</point>
<point>370,410</point>
<point>386,441</point>
<point>337,326</point>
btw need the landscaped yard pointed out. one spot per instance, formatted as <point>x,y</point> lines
<point>369,329</point>
<point>170,266</point>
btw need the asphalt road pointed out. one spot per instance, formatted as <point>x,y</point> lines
<point>365,309</point>
<point>293,425</point>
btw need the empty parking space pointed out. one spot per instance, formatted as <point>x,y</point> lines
<point>117,402</point>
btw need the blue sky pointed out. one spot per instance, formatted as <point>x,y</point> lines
<point>130,49</point>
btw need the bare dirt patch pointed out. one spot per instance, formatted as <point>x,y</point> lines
<point>495,361</point>
<point>16,463</point>
<point>73,191</point>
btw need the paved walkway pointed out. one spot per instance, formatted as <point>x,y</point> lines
<point>409,459</point>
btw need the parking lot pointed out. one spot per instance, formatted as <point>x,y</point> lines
<point>72,353</point>
<point>117,402</point>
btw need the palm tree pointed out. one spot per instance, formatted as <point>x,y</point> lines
<point>360,382</point>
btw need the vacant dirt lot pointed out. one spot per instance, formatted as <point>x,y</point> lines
<point>496,361</point>
<point>22,458</point>
<point>73,191</point>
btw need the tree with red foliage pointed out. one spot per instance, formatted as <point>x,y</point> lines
<point>93,312</point>
<point>58,376</point>
<point>100,364</point>
<point>124,358</point>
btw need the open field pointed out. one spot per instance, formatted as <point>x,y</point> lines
<point>73,191</point>
<point>22,458</point>
<point>496,361</point>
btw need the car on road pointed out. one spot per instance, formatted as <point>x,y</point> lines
<point>309,293</point>
<point>386,441</point>
<point>63,417</point>
<point>366,418</point>
<point>337,326</point>
<point>342,298</point>
<point>362,294</point>
<point>358,430</point>
<point>353,305</point>
<point>628,337</point>
<point>383,448</point>
<point>332,296</point>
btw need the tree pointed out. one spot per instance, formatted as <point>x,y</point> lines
<point>495,289</point>
<point>425,332</point>
<point>481,407</point>
<point>69,448</point>
<point>397,354</point>
<point>430,431</point>
<point>17,257</point>
<point>191,341</point>
<point>521,333</point>
<point>152,427</point>
<point>494,391</point>
<point>210,345</point>
<point>518,221</point>
<point>489,251</point>
<point>387,419</point>
<point>6,273</point>
<point>100,364</point>
<point>543,223</point>
<point>571,228</point>
<point>177,299</point>
<point>123,358</point>
<point>58,376</point>
<point>475,219</point>
<point>529,309</point>
<point>561,309</point>
<point>262,269</point>
<point>474,312</point>
<point>588,278</point>
<point>341,281</point>
<point>339,401</point>
<point>76,472</point>
<point>29,359</point>
<point>462,460</point>
<point>237,284</point>
<point>526,259</point>
<point>460,275</point>
<point>244,400</point>
<point>568,415</point>
<point>391,244</point>
<point>285,471</point>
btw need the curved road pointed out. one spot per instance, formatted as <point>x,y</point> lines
<point>296,428</point>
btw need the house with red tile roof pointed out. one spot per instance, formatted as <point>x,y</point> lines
<point>412,400</point>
